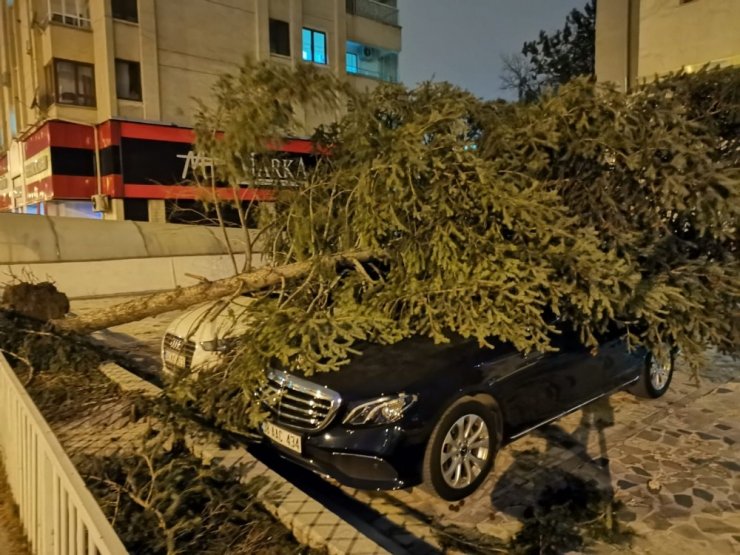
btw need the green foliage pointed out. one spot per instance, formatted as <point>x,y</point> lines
<point>600,207</point>
<point>554,59</point>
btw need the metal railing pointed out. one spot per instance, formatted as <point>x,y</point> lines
<point>372,9</point>
<point>59,514</point>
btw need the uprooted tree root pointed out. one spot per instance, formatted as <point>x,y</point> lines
<point>59,370</point>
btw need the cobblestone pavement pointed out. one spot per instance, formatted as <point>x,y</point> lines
<point>686,445</point>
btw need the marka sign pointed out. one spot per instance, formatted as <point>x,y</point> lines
<point>263,171</point>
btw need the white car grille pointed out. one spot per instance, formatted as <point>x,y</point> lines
<point>177,352</point>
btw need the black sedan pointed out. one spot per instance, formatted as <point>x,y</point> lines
<point>421,413</point>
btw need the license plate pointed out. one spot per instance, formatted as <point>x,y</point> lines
<point>174,358</point>
<point>282,436</point>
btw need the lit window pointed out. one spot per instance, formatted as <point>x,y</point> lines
<point>126,10</point>
<point>13,123</point>
<point>74,83</point>
<point>128,80</point>
<point>372,61</point>
<point>352,66</point>
<point>314,46</point>
<point>279,37</point>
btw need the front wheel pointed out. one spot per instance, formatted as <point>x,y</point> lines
<point>655,378</point>
<point>461,450</point>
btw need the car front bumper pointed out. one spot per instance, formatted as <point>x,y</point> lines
<point>382,457</point>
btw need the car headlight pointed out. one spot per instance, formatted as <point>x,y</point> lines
<point>383,410</point>
<point>219,345</point>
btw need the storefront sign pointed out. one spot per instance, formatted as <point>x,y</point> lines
<point>265,170</point>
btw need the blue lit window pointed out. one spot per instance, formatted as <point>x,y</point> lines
<point>314,46</point>
<point>352,66</point>
<point>13,123</point>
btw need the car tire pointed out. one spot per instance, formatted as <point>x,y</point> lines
<point>461,449</point>
<point>654,379</point>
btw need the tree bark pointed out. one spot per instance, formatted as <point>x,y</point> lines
<point>158,303</point>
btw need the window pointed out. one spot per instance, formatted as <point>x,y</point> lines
<point>75,13</point>
<point>372,61</point>
<point>314,46</point>
<point>74,83</point>
<point>126,10</point>
<point>128,80</point>
<point>279,37</point>
<point>352,66</point>
<point>13,122</point>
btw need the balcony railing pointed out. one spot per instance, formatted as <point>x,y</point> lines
<point>372,9</point>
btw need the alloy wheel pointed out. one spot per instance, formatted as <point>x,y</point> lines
<point>465,450</point>
<point>659,374</point>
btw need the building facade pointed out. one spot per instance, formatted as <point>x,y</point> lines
<point>637,40</point>
<point>97,97</point>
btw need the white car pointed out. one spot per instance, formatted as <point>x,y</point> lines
<point>199,337</point>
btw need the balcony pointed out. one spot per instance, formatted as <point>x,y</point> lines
<point>384,12</point>
<point>368,61</point>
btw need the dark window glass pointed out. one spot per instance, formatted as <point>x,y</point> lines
<point>126,10</point>
<point>128,80</point>
<point>136,209</point>
<point>279,37</point>
<point>74,83</point>
<point>314,46</point>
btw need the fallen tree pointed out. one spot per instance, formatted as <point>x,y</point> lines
<point>591,205</point>
<point>184,297</point>
<point>595,206</point>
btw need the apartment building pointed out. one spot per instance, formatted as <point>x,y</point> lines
<point>97,96</point>
<point>639,39</point>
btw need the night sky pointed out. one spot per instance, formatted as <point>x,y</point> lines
<point>462,41</point>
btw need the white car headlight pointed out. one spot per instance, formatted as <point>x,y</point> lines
<point>383,410</point>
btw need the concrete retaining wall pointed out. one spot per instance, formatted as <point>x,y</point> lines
<point>87,258</point>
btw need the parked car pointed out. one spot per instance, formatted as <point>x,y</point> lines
<point>200,337</point>
<point>417,412</point>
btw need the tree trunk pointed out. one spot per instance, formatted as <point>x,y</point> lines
<point>158,303</point>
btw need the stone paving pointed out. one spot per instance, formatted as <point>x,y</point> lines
<point>674,463</point>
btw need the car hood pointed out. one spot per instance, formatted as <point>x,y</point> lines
<point>214,320</point>
<point>401,367</point>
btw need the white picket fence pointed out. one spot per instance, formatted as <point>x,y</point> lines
<point>59,514</point>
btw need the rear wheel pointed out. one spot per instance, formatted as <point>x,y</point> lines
<point>655,378</point>
<point>461,449</point>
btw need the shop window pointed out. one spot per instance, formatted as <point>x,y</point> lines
<point>126,10</point>
<point>75,13</point>
<point>314,46</point>
<point>136,209</point>
<point>279,37</point>
<point>128,80</point>
<point>74,83</point>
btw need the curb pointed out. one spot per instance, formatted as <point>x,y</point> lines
<point>310,522</point>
